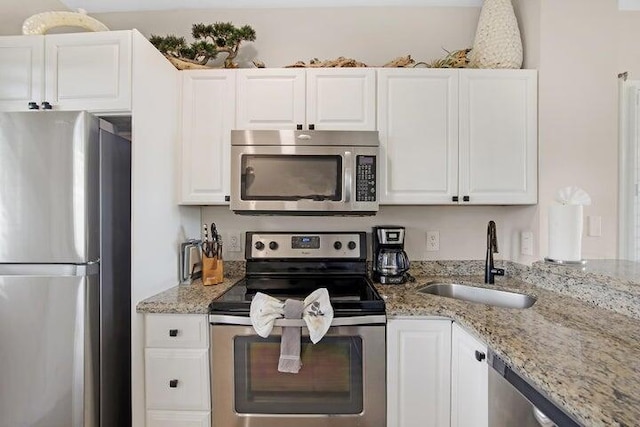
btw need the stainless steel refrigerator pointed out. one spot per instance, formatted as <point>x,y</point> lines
<point>65,282</point>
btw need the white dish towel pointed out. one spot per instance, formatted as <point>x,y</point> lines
<point>317,314</point>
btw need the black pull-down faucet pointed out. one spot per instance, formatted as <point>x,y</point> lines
<point>492,247</point>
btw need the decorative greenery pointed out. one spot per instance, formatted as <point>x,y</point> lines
<point>210,40</point>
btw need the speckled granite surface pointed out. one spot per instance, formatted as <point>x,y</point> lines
<point>610,284</point>
<point>586,359</point>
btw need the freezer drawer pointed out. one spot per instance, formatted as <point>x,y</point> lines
<point>48,354</point>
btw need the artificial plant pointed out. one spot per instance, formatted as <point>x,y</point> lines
<point>210,40</point>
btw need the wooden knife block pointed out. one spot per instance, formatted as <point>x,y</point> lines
<point>212,270</point>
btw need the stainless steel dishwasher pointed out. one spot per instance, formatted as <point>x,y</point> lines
<point>512,400</point>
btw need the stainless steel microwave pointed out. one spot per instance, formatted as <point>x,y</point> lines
<point>304,172</point>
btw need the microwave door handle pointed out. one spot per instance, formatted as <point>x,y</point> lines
<point>347,177</point>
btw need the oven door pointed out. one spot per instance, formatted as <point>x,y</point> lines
<point>303,179</point>
<point>341,382</point>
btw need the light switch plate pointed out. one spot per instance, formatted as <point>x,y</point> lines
<point>526,243</point>
<point>595,226</point>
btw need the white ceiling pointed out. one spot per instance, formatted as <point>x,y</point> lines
<point>98,6</point>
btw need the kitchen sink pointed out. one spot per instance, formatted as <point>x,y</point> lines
<point>479,295</point>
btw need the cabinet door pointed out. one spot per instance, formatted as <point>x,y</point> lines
<point>21,72</point>
<point>341,98</point>
<point>469,381</point>
<point>208,109</point>
<point>89,71</point>
<point>418,372</point>
<point>498,136</point>
<point>177,379</point>
<point>178,419</point>
<point>270,98</point>
<point>418,125</point>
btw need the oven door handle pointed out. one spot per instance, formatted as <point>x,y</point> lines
<point>377,319</point>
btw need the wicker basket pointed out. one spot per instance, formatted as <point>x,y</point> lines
<point>497,43</point>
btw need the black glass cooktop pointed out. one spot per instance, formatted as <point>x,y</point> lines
<point>349,295</point>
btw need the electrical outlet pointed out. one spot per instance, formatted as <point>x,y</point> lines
<point>433,241</point>
<point>234,242</point>
<point>526,243</point>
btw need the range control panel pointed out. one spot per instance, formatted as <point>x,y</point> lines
<point>306,245</point>
<point>365,178</point>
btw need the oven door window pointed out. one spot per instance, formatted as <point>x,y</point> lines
<point>329,382</point>
<point>291,177</point>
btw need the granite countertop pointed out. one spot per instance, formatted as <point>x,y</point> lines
<point>185,299</point>
<point>583,357</point>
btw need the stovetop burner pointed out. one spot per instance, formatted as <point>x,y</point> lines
<point>292,265</point>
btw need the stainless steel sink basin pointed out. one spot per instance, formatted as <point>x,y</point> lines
<point>479,295</point>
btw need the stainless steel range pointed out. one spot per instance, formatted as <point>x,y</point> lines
<point>342,379</point>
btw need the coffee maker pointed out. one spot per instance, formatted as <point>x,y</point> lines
<point>390,261</point>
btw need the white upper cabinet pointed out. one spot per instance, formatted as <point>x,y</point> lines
<point>498,136</point>
<point>458,136</point>
<point>21,71</point>
<point>270,98</point>
<point>418,372</point>
<point>296,98</point>
<point>418,125</point>
<point>208,112</point>
<point>469,381</point>
<point>78,71</point>
<point>341,98</point>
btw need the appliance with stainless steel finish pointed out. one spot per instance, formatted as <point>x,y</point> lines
<point>390,261</point>
<point>514,402</point>
<point>64,271</point>
<point>342,380</point>
<point>304,172</point>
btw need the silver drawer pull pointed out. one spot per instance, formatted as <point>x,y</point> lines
<point>173,383</point>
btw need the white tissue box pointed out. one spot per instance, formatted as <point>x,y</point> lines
<point>565,232</point>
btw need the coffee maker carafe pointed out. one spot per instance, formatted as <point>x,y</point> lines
<point>390,261</point>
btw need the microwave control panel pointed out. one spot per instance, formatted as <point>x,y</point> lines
<point>365,178</point>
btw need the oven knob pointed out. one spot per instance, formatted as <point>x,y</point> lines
<point>259,246</point>
<point>351,245</point>
<point>273,245</point>
<point>337,246</point>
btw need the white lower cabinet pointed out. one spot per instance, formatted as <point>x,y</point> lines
<point>418,372</point>
<point>177,385</point>
<point>437,375</point>
<point>178,419</point>
<point>469,380</point>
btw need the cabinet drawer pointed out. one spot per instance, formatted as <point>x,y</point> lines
<point>178,419</point>
<point>177,379</point>
<point>176,331</point>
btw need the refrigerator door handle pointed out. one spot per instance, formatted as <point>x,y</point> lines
<point>88,269</point>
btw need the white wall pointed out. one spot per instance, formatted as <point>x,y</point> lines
<point>578,102</point>
<point>462,228</point>
<point>373,35</point>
